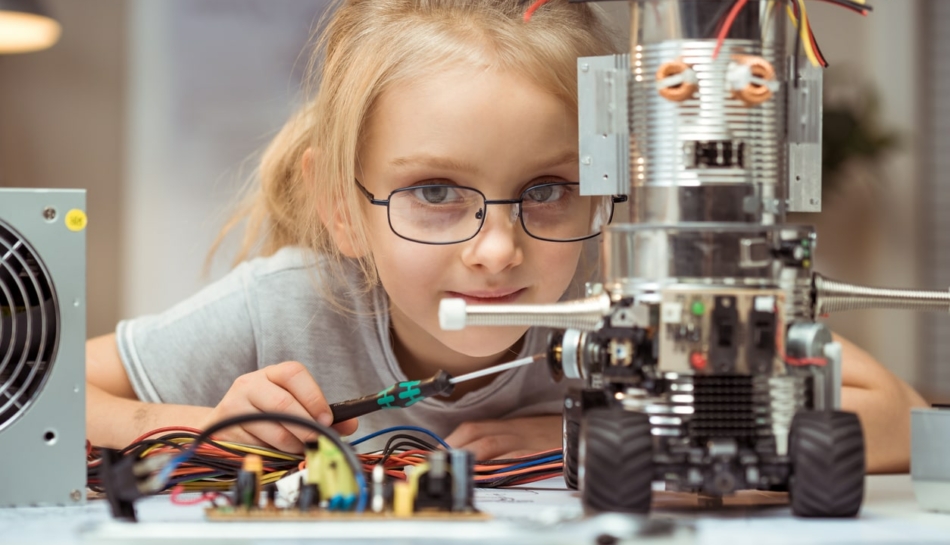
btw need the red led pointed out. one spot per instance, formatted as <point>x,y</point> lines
<point>697,360</point>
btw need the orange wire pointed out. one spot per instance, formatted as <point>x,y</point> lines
<point>148,434</point>
<point>534,7</point>
<point>727,25</point>
<point>555,465</point>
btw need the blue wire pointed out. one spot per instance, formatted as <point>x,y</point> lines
<point>361,484</point>
<point>401,428</point>
<point>553,458</point>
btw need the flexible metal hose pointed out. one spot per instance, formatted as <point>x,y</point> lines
<point>833,296</point>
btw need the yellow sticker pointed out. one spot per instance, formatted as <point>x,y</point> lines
<point>76,220</point>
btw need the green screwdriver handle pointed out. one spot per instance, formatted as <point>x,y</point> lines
<point>397,396</point>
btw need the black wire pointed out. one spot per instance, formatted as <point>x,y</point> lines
<point>515,479</point>
<point>814,43</point>
<point>853,6</point>
<point>524,459</point>
<point>713,26</point>
<point>798,42</point>
<point>397,446</point>
<point>186,435</point>
<point>312,425</point>
<point>422,444</point>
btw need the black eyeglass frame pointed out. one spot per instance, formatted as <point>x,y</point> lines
<point>615,199</point>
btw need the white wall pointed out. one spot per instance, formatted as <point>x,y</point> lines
<point>210,81</point>
<point>869,232</point>
<point>61,126</point>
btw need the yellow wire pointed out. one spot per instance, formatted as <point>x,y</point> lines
<point>236,446</point>
<point>803,30</point>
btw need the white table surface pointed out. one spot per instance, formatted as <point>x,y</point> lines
<point>543,512</point>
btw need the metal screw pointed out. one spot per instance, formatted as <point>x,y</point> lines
<point>585,67</point>
<point>568,402</point>
<point>49,213</point>
<point>75,495</point>
<point>586,160</point>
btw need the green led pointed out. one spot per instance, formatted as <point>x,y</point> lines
<point>698,308</point>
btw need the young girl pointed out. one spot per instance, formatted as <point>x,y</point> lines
<point>418,101</point>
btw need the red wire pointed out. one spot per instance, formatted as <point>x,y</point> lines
<point>727,25</point>
<point>814,47</point>
<point>178,489</point>
<point>533,8</point>
<point>148,434</point>
<point>845,6</point>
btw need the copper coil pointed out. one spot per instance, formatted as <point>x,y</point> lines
<point>681,91</point>
<point>753,93</point>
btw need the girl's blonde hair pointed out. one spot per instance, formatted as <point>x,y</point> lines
<point>366,47</point>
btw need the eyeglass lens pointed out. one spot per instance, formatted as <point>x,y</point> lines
<point>444,214</point>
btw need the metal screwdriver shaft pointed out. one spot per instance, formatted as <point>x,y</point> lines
<point>496,369</point>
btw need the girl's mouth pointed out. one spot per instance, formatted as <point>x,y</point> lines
<point>488,297</point>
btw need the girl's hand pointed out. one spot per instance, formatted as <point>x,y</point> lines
<point>283,388</point>
<point>500,439</point>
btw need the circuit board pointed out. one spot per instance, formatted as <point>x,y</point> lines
<point>275,514</point>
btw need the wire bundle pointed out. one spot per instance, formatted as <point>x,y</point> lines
<point>212,466</point>
<point>804,36</point>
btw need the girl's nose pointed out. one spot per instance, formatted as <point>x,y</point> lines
<point>496,247</point>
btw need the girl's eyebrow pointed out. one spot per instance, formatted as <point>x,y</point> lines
<point>444,163</point>
<point>565,157</point>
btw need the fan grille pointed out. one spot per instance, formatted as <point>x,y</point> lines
<point>29,324</point>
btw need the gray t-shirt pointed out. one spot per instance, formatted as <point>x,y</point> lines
<point>269,310</point>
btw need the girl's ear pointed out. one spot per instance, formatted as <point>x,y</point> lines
<point>334,216</point>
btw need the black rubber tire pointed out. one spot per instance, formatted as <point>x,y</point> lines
<point>570,440</point>
<point>827,464</point>
<point>616,461</point>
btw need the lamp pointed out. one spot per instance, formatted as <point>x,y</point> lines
<point>25,26</point>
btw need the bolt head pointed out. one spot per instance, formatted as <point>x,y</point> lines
<point>75,495</point>
<point>49,213</point>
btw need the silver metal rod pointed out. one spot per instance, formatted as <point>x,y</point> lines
<point>584,314</point>
<point>833,296</point>
<point>497,368</point>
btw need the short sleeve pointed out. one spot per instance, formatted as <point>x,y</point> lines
<point>193,352</point>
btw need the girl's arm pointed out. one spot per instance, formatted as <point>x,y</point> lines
<point>882,402</point>
<point>115,416</point>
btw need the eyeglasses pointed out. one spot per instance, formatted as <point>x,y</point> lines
<point>449,214</point>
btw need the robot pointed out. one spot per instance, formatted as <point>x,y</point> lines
<point>703,365</point>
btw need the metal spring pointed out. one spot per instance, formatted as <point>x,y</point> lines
<point>833,296</point>
<point>787,397</point>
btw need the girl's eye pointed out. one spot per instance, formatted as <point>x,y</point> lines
<point>435,194</point>
<point>545,193</point>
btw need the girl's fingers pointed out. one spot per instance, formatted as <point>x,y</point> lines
<point>493,446</point>
<point>293,377</point>
<point>347,427</point>
<point>270,398</point>
<point>274,435</point>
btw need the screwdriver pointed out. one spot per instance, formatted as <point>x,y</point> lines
<point>410,392</point>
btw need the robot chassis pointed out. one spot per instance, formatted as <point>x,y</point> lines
<point>702,363</point>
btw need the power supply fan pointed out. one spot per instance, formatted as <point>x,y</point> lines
<point>42,346</point>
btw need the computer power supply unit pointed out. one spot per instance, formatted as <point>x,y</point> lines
<point>42,347</point>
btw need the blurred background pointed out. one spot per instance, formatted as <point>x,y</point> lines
<point>159,107</point>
